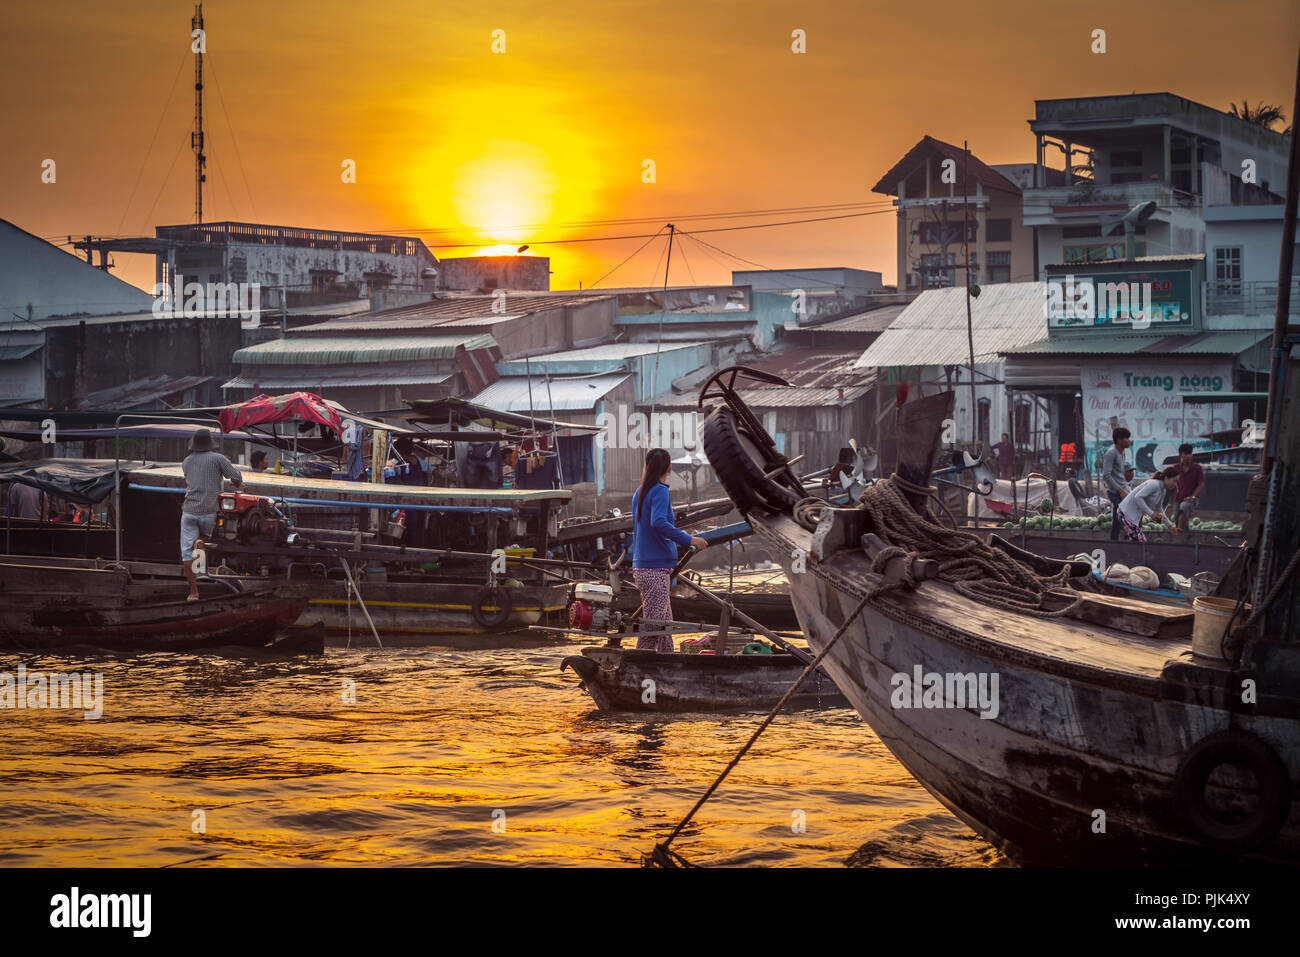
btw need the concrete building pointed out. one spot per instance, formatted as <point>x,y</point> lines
<point>486,273</point>
<point>74,337</point>
<point>292,265</point>
<point>1121,151</point>
<point>697,313</point>
<point>841,281</point>
<point>935,195</point>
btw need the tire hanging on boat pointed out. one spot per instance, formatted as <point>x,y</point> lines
<point>743,479</point>
<point>497,597</point>
<point>1193,776</point>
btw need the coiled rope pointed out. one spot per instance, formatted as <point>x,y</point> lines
<point>973,568</point>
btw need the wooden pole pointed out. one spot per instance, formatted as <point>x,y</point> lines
<point>970,328</point>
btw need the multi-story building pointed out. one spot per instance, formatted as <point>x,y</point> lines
<point>1123,151</point>
<point>936,193</point>
<point>291,265</point>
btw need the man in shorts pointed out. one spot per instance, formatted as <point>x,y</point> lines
<point>204,468</point>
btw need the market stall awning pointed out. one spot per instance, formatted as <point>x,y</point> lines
<point>77,480</point>
<point>462,412</point>
<point>157,430</point>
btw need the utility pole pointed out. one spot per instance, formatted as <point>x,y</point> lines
<point>196,138</point>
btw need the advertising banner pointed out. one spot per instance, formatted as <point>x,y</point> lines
<point>1146,398</point>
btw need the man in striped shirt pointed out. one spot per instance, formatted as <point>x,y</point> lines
<point>203,469</point>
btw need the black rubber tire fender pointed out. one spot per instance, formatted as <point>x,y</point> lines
<point>742,478</point>
<point>497,596</point>
<point>1193,774</point>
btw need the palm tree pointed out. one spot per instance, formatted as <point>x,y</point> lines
<point>1263,114</point>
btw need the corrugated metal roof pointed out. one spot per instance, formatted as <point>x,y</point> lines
<point>341,350</point>
<point>277,378</point>
<point>1217,343</point>
<point>612,350</point>
<point>773,397</point>
<point>567,394</point>
<point>874,320</point>
<point>931,331</point>
<point>149,391</point>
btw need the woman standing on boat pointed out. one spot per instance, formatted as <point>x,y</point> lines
<point>1147,499</point>
<point>654,546</point>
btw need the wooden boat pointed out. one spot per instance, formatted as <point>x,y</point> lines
<point>54,603</point>
<point>624,679</point>
<point>756,592</point>
<point>1085,738</point>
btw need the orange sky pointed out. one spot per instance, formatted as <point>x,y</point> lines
<point>474,147</point>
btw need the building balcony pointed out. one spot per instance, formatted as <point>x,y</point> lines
<point>1256,298</point>
<point>1085,201</point>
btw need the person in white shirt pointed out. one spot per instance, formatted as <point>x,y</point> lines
<point>1147,499</point>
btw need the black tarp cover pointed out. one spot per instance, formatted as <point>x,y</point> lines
<point>87,481</point>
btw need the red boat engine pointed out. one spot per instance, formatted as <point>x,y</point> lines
<point>589,607</point>
<point>250,519</point>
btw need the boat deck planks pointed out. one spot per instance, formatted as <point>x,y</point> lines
<point>268,483</point>
<point>1066,641</point>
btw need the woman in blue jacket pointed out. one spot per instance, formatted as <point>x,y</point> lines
<point>654,546</point>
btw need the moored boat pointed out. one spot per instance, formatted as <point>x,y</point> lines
<point>623,679</point>
<point>1064,727</point>
<point>102,605</point>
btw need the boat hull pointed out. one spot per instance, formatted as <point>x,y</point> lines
<point>60,606</point>
<point>424,608</point>
<point>1077,767</point>
<point>623,679</point>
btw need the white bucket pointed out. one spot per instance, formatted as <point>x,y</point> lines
<point>1210,619</point>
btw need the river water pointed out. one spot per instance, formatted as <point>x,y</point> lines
<point>444,757</point>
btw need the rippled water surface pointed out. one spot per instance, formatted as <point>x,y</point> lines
<point>438,746</point>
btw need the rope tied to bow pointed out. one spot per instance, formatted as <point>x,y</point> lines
<point>973,567</point>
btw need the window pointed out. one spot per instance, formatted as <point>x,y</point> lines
<point>1227,269</point>
<point>999,267</point>
<point>983,411</point>
<point>1098,253</point>
<point>1022,420</point>
<point>1125,158</point>
<point>933,273</point>
<point>998,231</point>
<point>933,234</point>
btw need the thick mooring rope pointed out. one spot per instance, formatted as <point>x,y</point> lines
<point>975,569</point>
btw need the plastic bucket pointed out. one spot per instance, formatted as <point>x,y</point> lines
<point>1210,618</point>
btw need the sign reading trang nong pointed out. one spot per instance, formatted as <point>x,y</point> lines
<point>1146,398</point>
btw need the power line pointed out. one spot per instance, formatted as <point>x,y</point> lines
<point>716,229</point>
<point>147,153</point>
<point>233,142</point>
<point>825,207</point>
<point>620,265</point>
